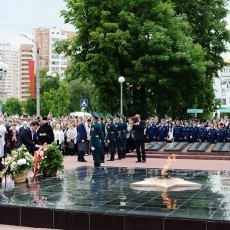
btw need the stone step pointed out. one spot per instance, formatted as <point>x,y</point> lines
<point>184,156</point>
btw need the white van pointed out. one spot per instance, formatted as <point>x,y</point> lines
<point>80,114</point>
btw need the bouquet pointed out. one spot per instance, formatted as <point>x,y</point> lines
<point>19,161</point>
<point>50,159</point>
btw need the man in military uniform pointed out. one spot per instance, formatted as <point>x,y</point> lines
<point>96,139</point>
<point>212,134</point>
<point>194,131</point>
<point>151,130</point>
<point>110,138</point>
<point>177,131</point>
<point>102,149</point>
<point>202,133</point>
<point>45,132</point>
<point>118,136</point>
<point>186,132</point>
<point>123,134</point>
<point>162,131</point>
<point>221,133</point>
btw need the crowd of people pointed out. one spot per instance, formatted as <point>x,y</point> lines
<point>100,135</point>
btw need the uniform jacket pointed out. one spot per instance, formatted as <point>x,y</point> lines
<point>110,131</point>
<point>123,129</point>
<point>95,135</point>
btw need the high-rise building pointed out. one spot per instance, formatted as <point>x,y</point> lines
<point>26,54</point>
<point>45,38</point>
<point>8,84</point>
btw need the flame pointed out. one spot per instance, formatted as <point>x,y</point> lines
<point>164,171</point>
<point>170,204</point>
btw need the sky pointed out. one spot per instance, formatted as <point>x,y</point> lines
<point>22,16</point>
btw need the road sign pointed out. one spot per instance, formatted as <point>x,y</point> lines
<point>84,103</point>
<point>225,110</point>
<point>194,110</point>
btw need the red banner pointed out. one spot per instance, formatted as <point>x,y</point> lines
<point>31,74</point>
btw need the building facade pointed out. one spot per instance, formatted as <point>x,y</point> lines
<point>9,84</point>
<point>222,87</point>
<point>45,38</point>
<point>25,55</point>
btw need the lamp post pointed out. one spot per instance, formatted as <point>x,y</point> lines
<point>51,74</point>
<point>121,79</point>
<point>3,70</point>
<point>37,76</point>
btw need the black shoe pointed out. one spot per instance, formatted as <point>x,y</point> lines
<point>138,161</point>
<point>119,158</point>
<point>110,160</point>
<point>143,161</point>
<point>83,161</point>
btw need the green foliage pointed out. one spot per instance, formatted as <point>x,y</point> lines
<point>56,101</point>
<point>48,83</point>
<point>79,90</point>
<point>12,106</point>
<point>208,28</point>
<point>51,160</point>
<point>166,55</point>
<point>30,106</point>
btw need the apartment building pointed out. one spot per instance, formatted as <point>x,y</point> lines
<point>25,54</point>
<point>45,38</point>
<point>9,84</point>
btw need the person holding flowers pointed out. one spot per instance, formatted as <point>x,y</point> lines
<point>29,138</point>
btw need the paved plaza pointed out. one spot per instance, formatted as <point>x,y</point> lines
<point>71,162</point>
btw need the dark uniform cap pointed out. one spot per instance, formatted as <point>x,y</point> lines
<point>110,116</point>
<point>45,118</point>
<point>122,116</point>
<point>117,115</point>
<point>95,115</point>
<point>101,115</point>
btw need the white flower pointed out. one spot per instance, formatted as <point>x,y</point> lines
<point>21,161</point>
<point>13,165</point>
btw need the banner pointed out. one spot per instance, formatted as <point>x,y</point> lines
<point>31,74</point>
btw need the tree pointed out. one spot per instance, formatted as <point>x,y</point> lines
<point>12,106</point>
<point>149,44</point>
<point>48,83</point>
<point>56,101</point>
<point>208,28</point>
<point>30,106</point>
<point>79,90</point>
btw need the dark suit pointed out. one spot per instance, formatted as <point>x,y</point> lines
<point>81,139</point>
<point>49,138</point>
<point>21,129</point>
<point>26,139</point>
<point>139,138</point>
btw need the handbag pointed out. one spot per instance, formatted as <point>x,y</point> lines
<point>82,146</point>
<point>70,145</point>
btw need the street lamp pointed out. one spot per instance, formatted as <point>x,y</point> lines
<point>121,79</point>
<point>3,70</point>
<point>37,76</point>
<point>51,74</point>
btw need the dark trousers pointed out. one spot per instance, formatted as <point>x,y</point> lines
<point>140,144</point>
